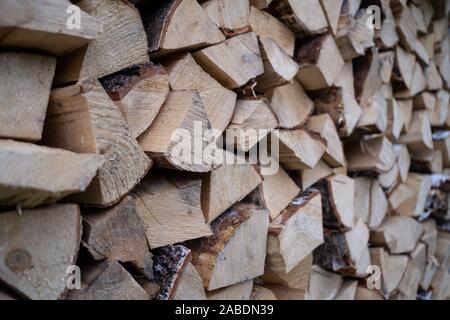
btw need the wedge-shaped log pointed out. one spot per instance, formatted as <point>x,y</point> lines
<point>82,118</point>
<point>230,16</point>
<point>117,234</point>
<point>320,62</point>
<point>232,181</point>
<point>397,234</point>
<point>266,26</point>
<point>367,77</point>
<point>139,91</point>
<point>305,17</point>
<point>177,25</point>
<point>294,234</point>
<point>42,25</point>
<point>28,264</point>
<point>291,104</point>
<point>233,62</point>
<point>170,209</point>
<point>324,285</point>
<point>415,205</point>
<point>297,278</point>
<point>427,161</point>
<point>419,137</point>
<point>186,74</point>
<point>299,148</point>
<point>122,44</point>
<point>32,175</point>
<point>177,129</point>
<point>238,291</point>
<point>22,115</point>
<point>398,196</point>
<point>440,114</point>
<point>237,250</point>
<point>310,176</point>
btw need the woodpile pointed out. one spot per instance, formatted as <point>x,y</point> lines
<point>224,149</point>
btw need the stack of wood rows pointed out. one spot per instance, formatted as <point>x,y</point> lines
<point>357,104</point>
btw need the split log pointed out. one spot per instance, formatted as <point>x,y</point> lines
<point>363,186</point>
<point>392,268</point>
<point>233,62</point>
<point>338,211</point>
<point>373,154</point>
<point>324,125</point>
<point>395,120</point>
<point>139,92</point>
<point>170,209</point>
<point>419,257</point>
<point>407,289</point>
<point>236,251</point>
<point>375,115</point>
<point>387,64</point>
<point>427,161</point>
<point>324,285</point>
<point>378,205</point>
<point>261,293</point>
<point>332,10</point>
<point>406,107</point>
<point>189,285</point>
<point>239,291</point>
<point>232,181</point>
<point>117,234</point>
<point>82,118</point>
<point>291,105</point>
<point>418,137</point>
<point>32,175</point>
<point>186,74</point>
<point>22,115</point>
<point>320,62</point>
<point>397,234</point>
<point>429,274</point>
<point>387,37</point>
<point>389,179</point>
<point>294,234</point>
<point>440,114</point>
<point>28,264</point>
<point>418,83</point>
<point>43,27</point>
<point>308,177</point>
<point>306,17</point>
<point>300,148</point>
<point>178,25</point>
<point>230,16</point>
<point>123,43</point>
<point>297,278</point>
<point>403,160</point>
<point>268,192</point>
<point>279,68</point>
<point>176,138</point>
<point>398,196</point>
<point>425,100</point>
<point>442,142</point>
<point>108,280</point>
<point>403,71</point>
<point>415,205</point>
<point>430,236</point>
<point>367,77</point>
<point>252,121</point>
<point>266,26</point>
<point>347,290</point>
<point>433,78</point>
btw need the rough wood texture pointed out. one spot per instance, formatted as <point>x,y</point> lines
<point>82,118</point>
<point>231,16</point>
<point>420,186</point>
<point>170,209</point>
<point>28,264</point>
<point>239,291</point>
<point>45,27</point>
<point>22,112</point>
<point>32,175</point>
<point>236,251</point>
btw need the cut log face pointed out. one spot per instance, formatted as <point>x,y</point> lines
<point>123,42</point>
<point>233,62</point>
<point>279,68</point>
<point>28,264</point>
<point>402,75</point>
<point>324,125</point>
<point>399,195</point>
<point>186,74</point>
<point>25,169</point>
<point>347,290</point>
<point>415,205</point>
<point>177,25</point>
<point>362,197</point>
<point>432,76</point>
<point>291,105</point>
<point>139,91</point>
<point>295,233</point>
<point>297,15</point>
<point>261,293</point>
<point>117,234</point>
<point>424,100</point>
<point>108,280</point>
<point>33,74</point>
<point>311,176</point>
<point>407,289</point>
<point>427,162</point>
<point>232,181</point>
<point>297,278</point>
<point>406,108</point>
<point>250,116</point>
<point>367,77</point>
<point>82,118</point>
<point>230,16</point>
<point>45,27</point>
<point>320,62</point>
<point>266,26</point>
<point>418,83</point>
<point>189,285</point>
<point>378,205</point>
<point>392,268</point>
<point>441,112</point>
<point>375,116</point>
<point>430,236</point>
<point>300,148</point>
<point>239,291</point>
<point>324,285</point>
<point>170,138</point>
<point>332,10</point>
<point>373,154</point>
<point>398,234</point>
<point>387,64</point>
<point>236,251</point>
<point>338,211</point>
<point>395,120</point>
<point>403,160</point>
<point>170,209</point>
<point>390,179</point>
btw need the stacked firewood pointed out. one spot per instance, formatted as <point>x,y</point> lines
<point>224,149</point>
